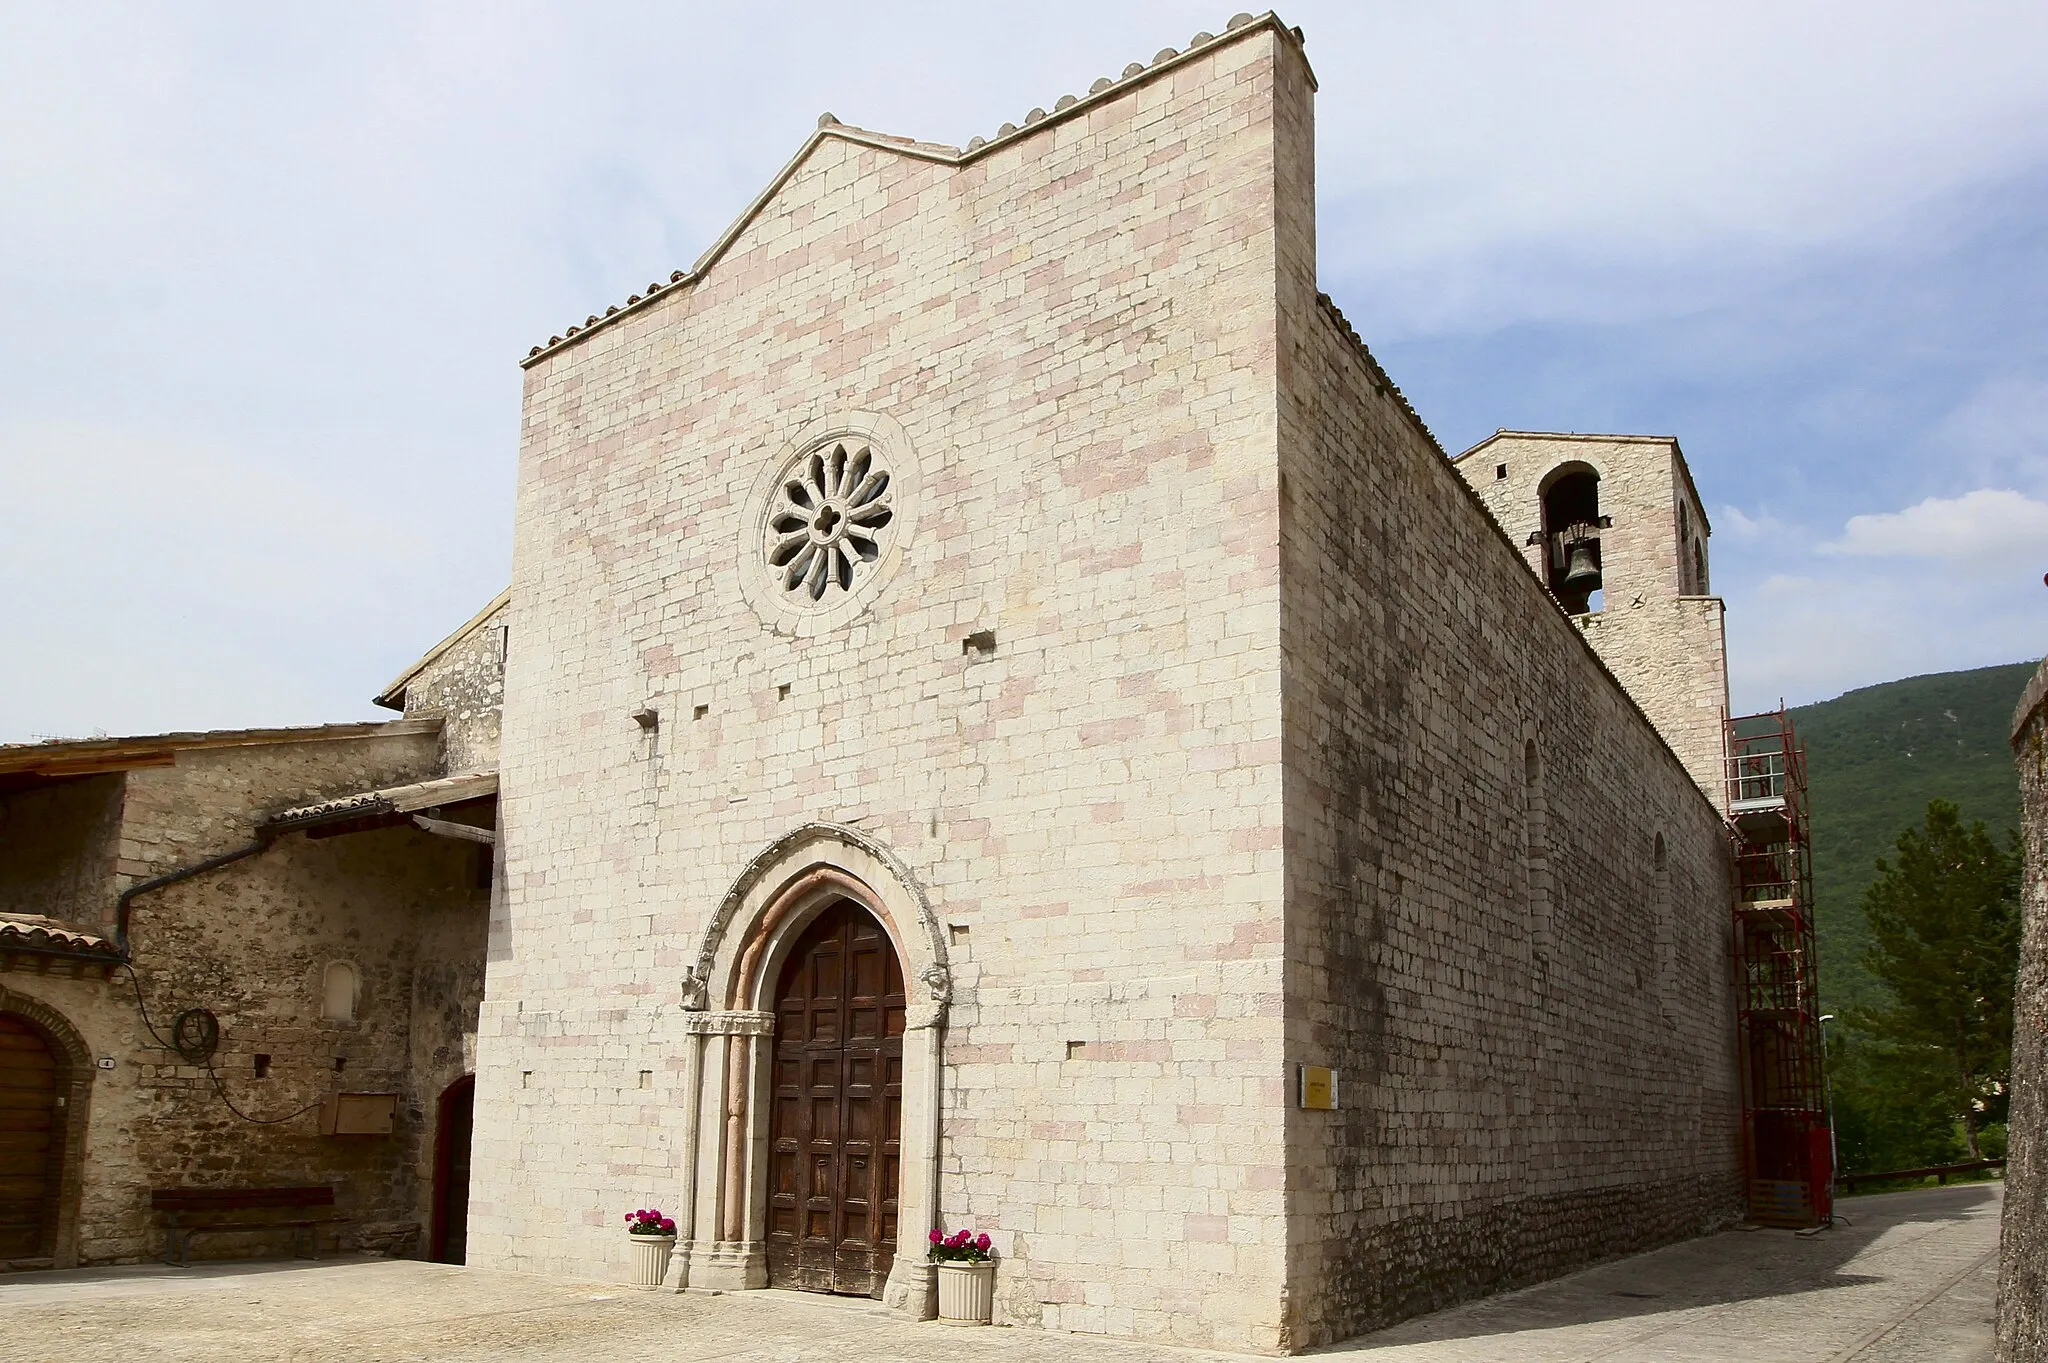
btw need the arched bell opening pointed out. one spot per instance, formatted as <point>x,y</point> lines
<point>1571,535</point>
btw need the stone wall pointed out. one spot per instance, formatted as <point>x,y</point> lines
<point>1061,715</point>
<point>2023,1247</point>
<point>251,942</point>
<point>1507,900</point>
<point>461,682</point>
<point>57,844</point>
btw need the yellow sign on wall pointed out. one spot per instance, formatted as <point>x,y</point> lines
<point>1318,1088</point>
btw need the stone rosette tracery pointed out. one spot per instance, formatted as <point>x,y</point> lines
<point>828,521</point>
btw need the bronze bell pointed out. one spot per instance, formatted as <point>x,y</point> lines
<point>1582,571</point>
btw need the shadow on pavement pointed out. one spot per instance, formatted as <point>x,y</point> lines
<point>1729,1267</point>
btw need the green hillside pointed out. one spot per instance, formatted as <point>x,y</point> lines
<point>1874,758</point>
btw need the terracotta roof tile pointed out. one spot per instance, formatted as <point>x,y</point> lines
<point>35,933</point>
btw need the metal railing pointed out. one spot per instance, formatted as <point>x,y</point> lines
<point>1939,1172</point>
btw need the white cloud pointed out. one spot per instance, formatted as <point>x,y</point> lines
<point>1999,431</point>
<point>1734,522</point>
<point>1810,636</point>
<point>1945,584</point>
<point>1985,525</point>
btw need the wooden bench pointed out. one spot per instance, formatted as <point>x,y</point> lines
<point>190,1211</point>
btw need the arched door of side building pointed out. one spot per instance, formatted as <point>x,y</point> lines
<point>835,1132</point>
<point>31,1142</point>
<point>454,1121</point>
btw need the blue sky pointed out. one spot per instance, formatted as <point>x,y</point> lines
<point>268,271</point>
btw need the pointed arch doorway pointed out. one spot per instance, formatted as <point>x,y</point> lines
<point>835,1130</point>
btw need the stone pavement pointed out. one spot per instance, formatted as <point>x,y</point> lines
<point>1911,1280</point>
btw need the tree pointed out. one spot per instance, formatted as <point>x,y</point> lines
<point>1882,1119</point>
<point>1944,923</point>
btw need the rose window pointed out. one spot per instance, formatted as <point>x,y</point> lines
<point>827,519</point>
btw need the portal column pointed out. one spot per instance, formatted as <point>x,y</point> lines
<point>730,1253</point>
<point>912,1285</point>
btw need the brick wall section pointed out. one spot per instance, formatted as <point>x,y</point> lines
<point>1658,631</point>
<point>1076,333</point>
<point>1517,1100</point>
<point>57,843</point>
<point>251,943</point>
<point>2023,1246</point>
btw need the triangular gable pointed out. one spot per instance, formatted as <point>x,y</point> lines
<point>392,697</point>
<point>1134,77</point>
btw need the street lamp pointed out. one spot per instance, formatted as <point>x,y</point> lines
<point>1827,1098</point>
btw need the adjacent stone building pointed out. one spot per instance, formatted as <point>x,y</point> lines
<point>1004,699</point>
<point>2023,1248</point>
<point>314,899</point>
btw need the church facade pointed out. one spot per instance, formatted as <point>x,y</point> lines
<point>1011,721</point>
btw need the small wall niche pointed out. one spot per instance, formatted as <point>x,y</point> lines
<point>340,988</point>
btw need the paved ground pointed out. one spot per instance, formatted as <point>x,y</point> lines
<point>1912,1279</point>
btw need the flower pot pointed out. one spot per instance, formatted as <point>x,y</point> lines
<point>967,1293</point>
<point>650,1259</point>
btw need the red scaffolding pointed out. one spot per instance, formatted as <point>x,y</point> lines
<point>1785,1131</point>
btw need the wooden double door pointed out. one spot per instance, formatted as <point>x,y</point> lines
<point>31,1142</point>
<point>836,1127</point>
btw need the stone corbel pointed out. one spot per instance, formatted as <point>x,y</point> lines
<point>930,1010</point>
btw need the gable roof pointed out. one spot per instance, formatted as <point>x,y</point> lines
<point>392,697</point>
<point>87,756</point>
<point>404,799</point>
<point>1135,76</point>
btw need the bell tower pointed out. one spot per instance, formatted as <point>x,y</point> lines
<point>1613,527</point>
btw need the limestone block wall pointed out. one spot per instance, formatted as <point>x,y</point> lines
<point>1071,338</point>
<point>1671,656</point>
<point>2023,1244</point>
<point>1528,1005</point>
<point>251,942</point>
<point>1507,899</point>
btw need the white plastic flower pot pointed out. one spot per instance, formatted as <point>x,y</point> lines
<point>650,1259</point>
<point>967,1293</point>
